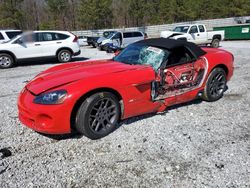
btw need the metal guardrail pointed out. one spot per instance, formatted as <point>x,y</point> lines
<point>155,30</point>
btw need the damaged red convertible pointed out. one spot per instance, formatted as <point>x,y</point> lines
<point>146,77</point>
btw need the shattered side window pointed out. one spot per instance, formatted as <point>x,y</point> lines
<point>151,56</point>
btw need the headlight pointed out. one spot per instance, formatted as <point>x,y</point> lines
<point>54,97</point>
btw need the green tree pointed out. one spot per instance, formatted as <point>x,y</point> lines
<point>57,10</point>
<point>137,11</point>
<point>95,14</point>
<point>11,15</point>
<point>236,8</point>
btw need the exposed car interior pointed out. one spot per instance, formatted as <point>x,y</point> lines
<point>181,72</point>
<point>179,56</point>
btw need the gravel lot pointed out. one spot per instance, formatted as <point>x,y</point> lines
<point>198,144</point>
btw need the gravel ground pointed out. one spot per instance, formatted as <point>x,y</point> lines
<point>198,144</point>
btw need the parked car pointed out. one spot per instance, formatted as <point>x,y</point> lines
<point>146,77</point>
<point>242,20</point>
<point>115,45</point>
<point>39,45</point>
<point>247,21</point>
<point>106,34</point>
<point>94,40</point>
<point>6,35</point>
<point>82,40</point>
<point>196,33</point>
<point>122,39</point>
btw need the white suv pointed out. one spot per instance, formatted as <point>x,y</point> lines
<point>39,45</point>
<point>6,35</point>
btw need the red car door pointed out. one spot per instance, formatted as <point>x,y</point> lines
<point>182,74</point>
<point>183,78</point>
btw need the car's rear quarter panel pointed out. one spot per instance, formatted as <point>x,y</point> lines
<point>219,57</point>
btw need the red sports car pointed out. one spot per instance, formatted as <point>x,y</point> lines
<point>148,76</point>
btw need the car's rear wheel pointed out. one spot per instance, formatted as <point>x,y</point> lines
<point>64,56</point>
<point>6,61</point>
<point>215,43</point>
<point>215,86</point>
<point>94,45</point>
<point>98,115</point>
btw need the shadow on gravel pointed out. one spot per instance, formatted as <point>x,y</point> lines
<point>75,135</point>
<point>145,116</point>
<point>79,59</point>
<point>49,61</point>
<point>63,136</point>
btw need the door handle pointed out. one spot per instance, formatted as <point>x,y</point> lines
<point>37,44</point>
<point>58,42</point>
<point>198,34</point>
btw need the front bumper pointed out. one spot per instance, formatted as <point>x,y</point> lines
<point>49,119</point>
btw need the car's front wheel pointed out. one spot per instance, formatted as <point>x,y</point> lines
<point>215,86</point>
<point>64,56</point>
<point>98,115</point>
<point>6,61</point>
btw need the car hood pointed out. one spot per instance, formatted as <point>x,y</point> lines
<point>167,34</point>
<point>100,39</point>
<point>68,73</point>
<point>4,45</point>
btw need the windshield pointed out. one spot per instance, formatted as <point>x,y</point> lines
<point>182,29</point>
<point>106,34</point>
<point>111,35</point>
<point>13,39</point>
<point>139,54</point>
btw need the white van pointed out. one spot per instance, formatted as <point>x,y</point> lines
<point>122,39</point>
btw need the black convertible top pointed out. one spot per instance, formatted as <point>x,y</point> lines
<point>171,44</point>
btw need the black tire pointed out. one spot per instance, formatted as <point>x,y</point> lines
<point>100,48</point>
<point>6,61</point>
<point>64,56</point>
<point>215,86</point>
<point>109,50</point>
<point>215,43</point>
<point>98,115</point>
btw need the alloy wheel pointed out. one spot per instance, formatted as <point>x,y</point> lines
<point>103,114</point>
<point>65,56</point>
<point>5,61</point>
<point>217,85</point>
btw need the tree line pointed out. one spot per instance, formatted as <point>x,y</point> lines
<point>99,14</point>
